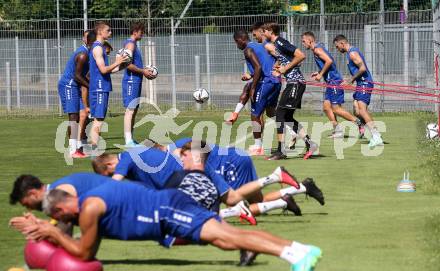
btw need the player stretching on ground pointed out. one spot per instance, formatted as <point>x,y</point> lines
<point>150,215</point>
<point>334,95</point>
<point>265,87</point>
<point>237,169</point>
<point>157,169</point>
<point>132,82</point>
<point>72,99</point>
<point>29,191</point>
<point>100,81</point>
<point>289,58</point>
<point>364,85</point>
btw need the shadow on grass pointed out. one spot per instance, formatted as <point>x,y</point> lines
<point>365,141</point>
<point>265,219</point>
<point>171,262</point>
<point>114,137</point>
<point>292,156</point>
<point>288,220</point>
<point>113,149</point>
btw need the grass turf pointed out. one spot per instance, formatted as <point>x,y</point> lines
<point>365,224</point>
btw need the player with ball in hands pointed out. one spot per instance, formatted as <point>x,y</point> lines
<point>132,81</point>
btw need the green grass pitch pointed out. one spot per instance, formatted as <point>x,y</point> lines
<point>365,224</point>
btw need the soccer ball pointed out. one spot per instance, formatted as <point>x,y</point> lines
<point>432,131</point>
<point>200,95</point>
<point>152,68</point>
<point>125,52</point>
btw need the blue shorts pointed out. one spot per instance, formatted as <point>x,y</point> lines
<point>130,92</point>
<point>183,217</point>
<point>98,104</point>
<point>363,93</point>
<point>266,95</point>
<point>240,172</point>
<point>334,95</point>
<point>70,97</point>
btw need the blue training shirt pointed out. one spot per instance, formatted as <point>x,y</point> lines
<point>131,210</point>
<point>266,61</point>
<point>332,75</point>
<point>82,182</point>
<point>233,164</point>
<point>150,166</point>
<point>366,77</point>
<point>137,61</point>
<point>99,82</point>
<point>68,77</point>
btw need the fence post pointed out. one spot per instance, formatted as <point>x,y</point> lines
<point>46,74</point>
<point>417,62</point>
<point>416,55</point>
<point>322,21</point>
<point>406,42</point>
<point>85,14</point>
<point>173,66</point>
<point>153,88</point>
<point>197,76</point>
<point>322,35</point>
<point>150,84</point>
<point>382,58</point>
<point>208,68</point>
<point>17,71</point>
<point>8,87</point>
<point>59,51</point>
<point>146,57</point>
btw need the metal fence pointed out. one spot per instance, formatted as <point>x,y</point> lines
<point>201,52</point>
<point>436,38</point>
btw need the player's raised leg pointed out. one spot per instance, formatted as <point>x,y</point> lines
<point>260,64</point>
<point>226,237</point>
<point>243,99</point>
